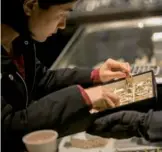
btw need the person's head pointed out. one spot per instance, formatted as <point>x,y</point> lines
<point>43,17</point>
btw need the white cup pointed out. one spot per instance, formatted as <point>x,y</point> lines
<point>41,141</point>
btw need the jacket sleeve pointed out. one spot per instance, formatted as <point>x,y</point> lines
<point>53,111</point>
<point>126,124</point>
<point>153,126</point>
<point>51,80</point>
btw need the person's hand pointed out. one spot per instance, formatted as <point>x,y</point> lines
<point>124,124</point>
<point>112,69</point>
<point>102,97</point>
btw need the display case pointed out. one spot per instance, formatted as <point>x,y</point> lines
<point>97,5</point>
<point>137,41</point>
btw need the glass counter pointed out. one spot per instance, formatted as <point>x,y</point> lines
<point>137,41</point>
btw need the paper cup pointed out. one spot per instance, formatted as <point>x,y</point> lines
<point>41,141</point>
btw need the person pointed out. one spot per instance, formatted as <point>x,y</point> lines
<point>33,97</point>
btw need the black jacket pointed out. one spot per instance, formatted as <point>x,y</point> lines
<point>44,100</point>
<point>126,124</point>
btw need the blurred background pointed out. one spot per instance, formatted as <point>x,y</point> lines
<point>125,30</point>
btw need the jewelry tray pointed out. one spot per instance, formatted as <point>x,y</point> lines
<point>142,104</point>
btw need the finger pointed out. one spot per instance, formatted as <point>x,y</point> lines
<point>118,74</point>
<point>111,94</point>
<point>118,65</point>
<point>128,66</point>
<point>109,102</point>
<point>113,64</point>
<point>114,98</point>
<point>125,67</point>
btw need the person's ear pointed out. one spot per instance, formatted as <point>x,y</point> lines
<point>29,6</point>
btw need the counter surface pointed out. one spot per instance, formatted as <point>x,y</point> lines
<point>133,144</point>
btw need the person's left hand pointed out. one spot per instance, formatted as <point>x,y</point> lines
<point>112,69</point>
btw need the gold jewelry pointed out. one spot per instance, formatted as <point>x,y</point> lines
<point>129,80</point>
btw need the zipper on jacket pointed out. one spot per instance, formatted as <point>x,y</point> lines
<point>34,48</point>
<point>34,68</point>
<point>27,93</point>
<point>27,99</point>
<point>26,89</point>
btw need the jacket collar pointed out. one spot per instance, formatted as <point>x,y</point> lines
<point>21,45</point>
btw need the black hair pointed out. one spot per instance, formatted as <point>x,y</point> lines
<point>14,16</point>
<point>45,4</point>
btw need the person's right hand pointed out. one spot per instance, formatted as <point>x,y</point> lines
<point>102,97</point>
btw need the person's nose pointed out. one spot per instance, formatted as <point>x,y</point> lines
<point>62,24</point>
